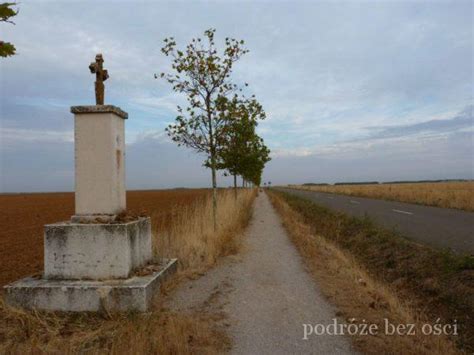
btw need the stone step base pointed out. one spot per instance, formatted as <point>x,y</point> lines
<point>132,294</point>
<point>96,251</point>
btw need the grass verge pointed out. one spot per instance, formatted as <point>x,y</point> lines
<point>372,274</point>
<point>190,238</point>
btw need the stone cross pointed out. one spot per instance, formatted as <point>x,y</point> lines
<point>101,75</point>
<point>102,258</point>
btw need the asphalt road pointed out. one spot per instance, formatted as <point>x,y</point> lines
<point>438,227</point>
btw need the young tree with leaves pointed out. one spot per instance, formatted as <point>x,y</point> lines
<point>254,161</point>
<point>6,13</point>
<point>243,117</point>
<point>203,75</point>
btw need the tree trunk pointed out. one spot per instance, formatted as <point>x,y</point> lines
<point>212,149</point>
<point>235,186</point>
<point>214,195</point>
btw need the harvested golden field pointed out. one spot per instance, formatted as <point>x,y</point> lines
<point>23,217</point>
<point>182,227</point>
<point>459,195</point>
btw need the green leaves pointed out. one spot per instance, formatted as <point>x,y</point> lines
<point>217,121</point>
<point>203,75</point>
<point>6,49</point>
<point>6,12</point>
<point>243,152</point>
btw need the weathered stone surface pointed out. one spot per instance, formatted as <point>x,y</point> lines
<point>101,75</point>
<point>132,294</point>
<point>84,109</point>
<point>99,146</point>
<point>96,251</point>
<point>94,218</point>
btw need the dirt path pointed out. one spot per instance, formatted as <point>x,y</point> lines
<point>264,295</point>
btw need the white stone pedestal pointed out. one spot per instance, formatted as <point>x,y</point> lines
<point>99,140</point>
<point>95,261</point>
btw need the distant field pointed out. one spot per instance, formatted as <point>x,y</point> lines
<point>459,195</point>
<point>23,217</point>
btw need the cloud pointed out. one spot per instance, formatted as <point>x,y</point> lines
<point>464,120</point>
<point>15,136</point>
<point>37,166</point>
<point>341,83</point>
<point>436,157</point>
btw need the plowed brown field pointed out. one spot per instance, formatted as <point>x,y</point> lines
<point>22,218</point>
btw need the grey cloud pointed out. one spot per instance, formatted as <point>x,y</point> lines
<point>29,166</point>
<point>151,162</point>
<point>413,159</point>
<point>461,121</point>
<point>324,71</point>
<point>154,162</point>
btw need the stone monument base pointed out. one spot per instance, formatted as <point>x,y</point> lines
<point>131,294</point>
<point>96,251</point>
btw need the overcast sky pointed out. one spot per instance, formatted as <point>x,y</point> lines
<point>353,90</point>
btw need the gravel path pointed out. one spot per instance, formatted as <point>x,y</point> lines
<point>264,294</point>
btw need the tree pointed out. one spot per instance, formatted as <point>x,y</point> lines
<point>6,12</point>
<point>254,161</point>
<point>203,76</point>
<point>243,117</point>
<point>243,152</point>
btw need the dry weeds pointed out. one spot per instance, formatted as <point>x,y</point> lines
<point>358,295</point>
<point>459,195</point>
<point>157,332</point>
<point>189,236</point>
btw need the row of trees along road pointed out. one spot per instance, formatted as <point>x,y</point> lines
<point>219,120</point>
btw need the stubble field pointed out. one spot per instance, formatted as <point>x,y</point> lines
<point>24,215</point>
<point>459,195</point>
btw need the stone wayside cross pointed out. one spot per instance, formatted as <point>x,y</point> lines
<point>101,75</point>
<point>93,261</point>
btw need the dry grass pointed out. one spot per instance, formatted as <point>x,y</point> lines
<point>160,331</point>
<point>357,295</point>
<point>191,237</point>
<point>459,195</point>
